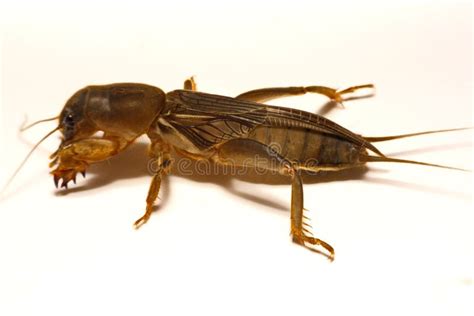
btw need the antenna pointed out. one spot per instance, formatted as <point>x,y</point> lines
<point>27,156</point>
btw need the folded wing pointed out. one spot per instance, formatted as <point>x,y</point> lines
<point>208,120</point>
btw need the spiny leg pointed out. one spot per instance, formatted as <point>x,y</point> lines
<point>190,84</point>
<point>336,95</point>
<point>150,199</point>
<point>75,157</point>
<point>301,234</point>
<point>160,152</point>
<point>250,153</point>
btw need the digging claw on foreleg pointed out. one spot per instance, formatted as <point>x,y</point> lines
<point>66,175</point>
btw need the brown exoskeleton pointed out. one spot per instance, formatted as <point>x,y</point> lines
<point>221,129</point>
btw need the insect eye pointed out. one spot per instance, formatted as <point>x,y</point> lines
<point>68,126</point>
<point>69,120</point>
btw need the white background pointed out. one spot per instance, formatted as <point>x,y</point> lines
<point>403,234</point>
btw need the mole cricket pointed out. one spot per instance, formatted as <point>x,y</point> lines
<point>220,129</point>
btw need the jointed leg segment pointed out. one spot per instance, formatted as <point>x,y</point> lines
<point>190,84</point>
<point>150,199</point>
<point>267,94</point>
<point>250,153</point>
<point>299,231</point>
<point>160,153</point>
<point>76,157</point>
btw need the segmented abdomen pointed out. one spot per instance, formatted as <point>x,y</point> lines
<point>307,147</point>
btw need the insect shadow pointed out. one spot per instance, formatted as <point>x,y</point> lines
<point>133,163</point>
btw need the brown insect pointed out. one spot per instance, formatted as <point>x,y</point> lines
<point>224,130</point>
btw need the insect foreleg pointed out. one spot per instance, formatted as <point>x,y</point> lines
<point>159,152</point>
<point>250,153</point>
<point>77,156</point>
<point>267,94</point>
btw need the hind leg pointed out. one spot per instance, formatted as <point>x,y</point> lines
<point>250,153</point>
<point>299,228</point>
<point>267,94</point>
